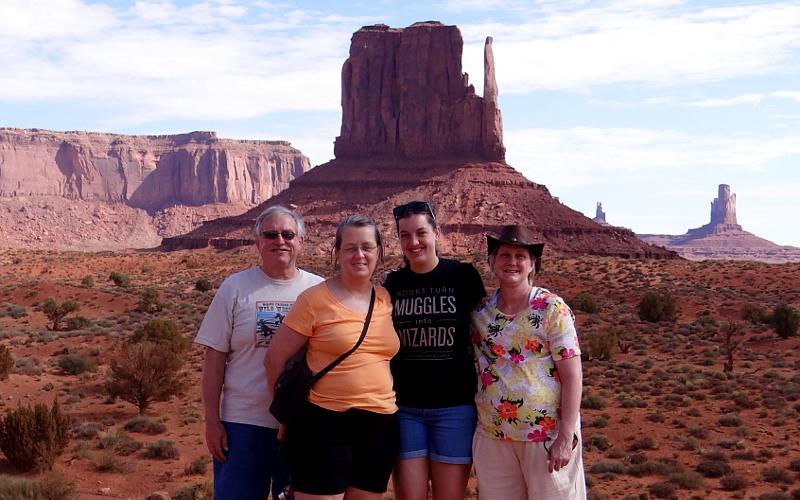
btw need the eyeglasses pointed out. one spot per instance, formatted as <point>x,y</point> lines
<point>353,249</point>
<point>273,235</point>
<point>411,208</point>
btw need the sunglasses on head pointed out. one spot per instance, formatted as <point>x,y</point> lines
<point>273,235</point>
<point>411,208</point>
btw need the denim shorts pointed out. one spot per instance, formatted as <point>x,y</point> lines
<point>443,434</point>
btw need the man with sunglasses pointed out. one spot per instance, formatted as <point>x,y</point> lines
<point>246,312</point>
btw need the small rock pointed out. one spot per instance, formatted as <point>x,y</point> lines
<point>104,491</point>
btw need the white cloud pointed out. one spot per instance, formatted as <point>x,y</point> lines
<point>733,101</point>
<point>787,94</point>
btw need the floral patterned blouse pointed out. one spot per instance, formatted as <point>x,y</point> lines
<point>519,392</point>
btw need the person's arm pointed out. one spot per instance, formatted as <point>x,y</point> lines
<point>571,374</point>
<point>212,380</point>
<point>285,344</point>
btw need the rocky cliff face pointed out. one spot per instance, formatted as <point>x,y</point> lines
<point>412,128</point>
<point>148,172</point>
<point>723,237</point>
<point>105,191</point>
<point>404,96</point>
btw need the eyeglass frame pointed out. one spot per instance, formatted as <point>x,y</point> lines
<point>286,234</point>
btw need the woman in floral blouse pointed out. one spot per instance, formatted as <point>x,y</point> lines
<point>527,444</point>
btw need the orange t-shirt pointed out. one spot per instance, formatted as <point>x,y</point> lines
<point>363,380</point>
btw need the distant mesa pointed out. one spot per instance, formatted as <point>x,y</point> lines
<point>413,128</point>
<point>90,190</point>
<point>723,237</point>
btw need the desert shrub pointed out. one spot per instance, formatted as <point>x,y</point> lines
<point>162,449</point>
<point>77,323</point>
<point>33,437</point>
<point>600,345</point>
<point>774,474</point>
<point>162,332</point>
<point>658,306</point>
<point>149,301</point>
<point>754,314</point>
<point>203,285</point>
<point>733,482</point>
<point>598,441</point>
<point>593,402</point>
<point>119,441</point>
<point>75,364</point>
<point>6,362</point>
<point>773,495</point>
<point>585,302</point>
<point>197,466</point>
<point>603,467</point>
<point>785,321</point>
<point>13,311</point>
<point>144,373</point>
<point>713,468</point>
<point>108,461</point>
<point>662,490</point>
<point>145,425</point>
<point>51,486</point>
<point>652,468</point>
<point>795,465</point>
<point>56,312</point>
<point>598,422</point>
<point>87,281</point>
<point>86,430</point>
<point>28,366</point>
<point>686,480</point>
<point>121,280</point>
<point>643,443</point>
<point>730,420</point>
<point>198,491</point>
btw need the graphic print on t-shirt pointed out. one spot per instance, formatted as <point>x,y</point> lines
<point>269,316</point>
<point>426,321</point>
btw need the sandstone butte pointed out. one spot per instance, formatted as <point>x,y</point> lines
<point>120,190</point>
<point>723,237</point>
<point>414,129</point>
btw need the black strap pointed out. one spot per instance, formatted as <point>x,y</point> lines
<point>341,358</point>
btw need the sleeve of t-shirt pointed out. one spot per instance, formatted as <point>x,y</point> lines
<point>217,326</point>
<point>474,284</point>
<point>560,330</point>
<point>301,317</point>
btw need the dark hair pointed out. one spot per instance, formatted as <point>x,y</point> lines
<point>414,208</point>
<point>356,220</point>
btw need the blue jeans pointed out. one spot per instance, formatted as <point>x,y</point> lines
<point>443,434</point>
<point>254,460</point>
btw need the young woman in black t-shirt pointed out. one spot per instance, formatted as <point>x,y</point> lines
<point>434,373</point>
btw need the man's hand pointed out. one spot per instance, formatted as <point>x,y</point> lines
<point>217,440</point>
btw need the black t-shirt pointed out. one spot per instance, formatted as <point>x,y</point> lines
<point>435,366</point>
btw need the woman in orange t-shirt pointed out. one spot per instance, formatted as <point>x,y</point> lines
<point>344,442</point>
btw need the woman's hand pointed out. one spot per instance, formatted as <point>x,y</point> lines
<point>560,452</point>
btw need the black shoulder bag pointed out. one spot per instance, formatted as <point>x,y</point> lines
<point>295,383</point>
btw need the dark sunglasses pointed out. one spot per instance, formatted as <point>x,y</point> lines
<point>412,208</point>
<point>273,235</point>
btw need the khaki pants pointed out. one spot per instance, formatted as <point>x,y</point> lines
<point>516,470</point>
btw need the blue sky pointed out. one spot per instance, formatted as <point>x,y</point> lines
<point>645,105</point>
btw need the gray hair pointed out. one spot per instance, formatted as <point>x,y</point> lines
<point>275,210</point>
<point>356,220</point>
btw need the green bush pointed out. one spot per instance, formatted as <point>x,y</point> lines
<point>51,486</point>
<point>145,425</point>
<point>122,280</point>
<point>658,306</point>
<point>785,321</point>
<point>119,441</point>
<point>75,364</point>
<point>13,311</point>
<point>56,312</point>
<point>33,437</point>
<point>87,281</point>
<point>593,402</point>
<point>598,441</point>
<point>77,323</point>
<point>203,285</point>
<point>6,362</point>
<point>149,301</point>
<point>164,333</point>
<point>162,449</point>
<point>754,314</point>
<point>107,461</point>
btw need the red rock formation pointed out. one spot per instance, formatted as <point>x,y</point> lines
<point>723,237</point>
<point>149,172</point>
<point>413,129</point>
<point>404,96</point>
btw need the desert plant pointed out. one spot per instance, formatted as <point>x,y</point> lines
<point>662,490</point>
<point>162,449</point>
<point>198,491</point>
<point>658,306</point>
<point>162,332</point>
<point>585,302</point>
<point>600,345</point>
<point>87,281</point>
<point>144,373</point>
<point>603,467</point>
<point>733,482</point>
<point>754,314</point>
<point>51,486</point>
<point>713,468</point>
<point>75,364</point>
<point>77,323</point>
<point>13,311</point>
<point>6,362</point>
<point>203,285</point>
<point>33,437</point>
<point>145,425</point>
<point>785,321</point>
<point>122,280</point>
<point>731,336</point>
<point>598,441</point>
<point>197,466</point>
<point>774,474</point>
<point>593,402</point>
<point>56,312</point>
<point>108,461</point>
<point>149,301</point>
<point>686,480</point>
<point>119,441</point>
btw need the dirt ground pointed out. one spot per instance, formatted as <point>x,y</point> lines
<point>661,419</point>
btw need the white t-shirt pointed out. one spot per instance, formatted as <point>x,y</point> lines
<point>241,320</point>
